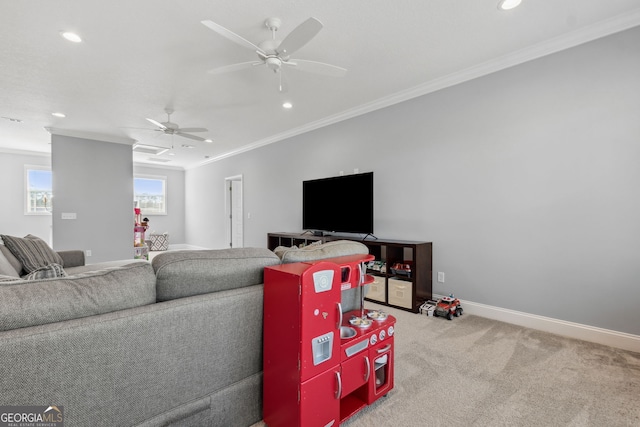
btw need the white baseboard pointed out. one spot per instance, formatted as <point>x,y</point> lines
<point>579,331</point>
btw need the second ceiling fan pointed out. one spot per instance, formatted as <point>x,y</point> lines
<point>274,53</point>
<point>169,128</point>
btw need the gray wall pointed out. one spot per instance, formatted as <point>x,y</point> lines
<point>525,181</point>
<point>13,221</point>
<point>173,222</point>
<point>94,180</point>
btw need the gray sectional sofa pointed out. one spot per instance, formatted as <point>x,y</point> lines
<point>175,342</point>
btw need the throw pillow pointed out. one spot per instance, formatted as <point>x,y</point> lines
<point>335,248</point>
<point>47,272</point>
<point>32,252</point>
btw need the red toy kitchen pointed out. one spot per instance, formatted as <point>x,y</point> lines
<point>322,365</point>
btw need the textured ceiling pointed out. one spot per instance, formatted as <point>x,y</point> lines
<point>140,57</point>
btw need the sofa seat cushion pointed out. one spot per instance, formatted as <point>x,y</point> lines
<point>31,251</point>
<point>186,273</point>
<point>9,280</point>
<point>26,303</point>
<point>336,248</point>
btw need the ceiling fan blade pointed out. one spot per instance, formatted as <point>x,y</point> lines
<point>300,36</point>
<point>231,35</point>
<point>160,125</point>
<point>317,67</point>
<point>186,135</point>
<point>234,67</point>
<point>193,130</point>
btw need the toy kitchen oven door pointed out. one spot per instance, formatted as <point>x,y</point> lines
<point>320,368</point>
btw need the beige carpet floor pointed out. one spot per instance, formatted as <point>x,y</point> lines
<point>473,371</point>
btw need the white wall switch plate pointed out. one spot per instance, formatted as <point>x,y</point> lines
<point>68,215</point>
<point>440,276</point>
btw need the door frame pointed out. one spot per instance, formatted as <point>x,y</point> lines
<point>228,194</point>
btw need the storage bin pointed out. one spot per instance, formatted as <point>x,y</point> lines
<point>377,289</point>
<point>159,242</point>
<point>400,293</point>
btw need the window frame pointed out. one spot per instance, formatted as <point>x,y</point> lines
<point>27,198</point>
<point>164,180</point>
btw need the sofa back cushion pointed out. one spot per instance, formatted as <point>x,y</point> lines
<point>186,273</point>
<point>336,248</point>
<point>9,264</point>
<point>26,303</point>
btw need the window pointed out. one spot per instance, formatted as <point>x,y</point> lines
<point>150,194</point>
<point>39,190</point>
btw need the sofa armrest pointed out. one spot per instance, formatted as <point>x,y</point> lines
<point>74,258</point>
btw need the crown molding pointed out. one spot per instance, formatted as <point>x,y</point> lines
<point>575,38</point>
<point>90,135</point>
<point>25,152</point>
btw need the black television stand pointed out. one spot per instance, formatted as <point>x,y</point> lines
<point>316,233</point>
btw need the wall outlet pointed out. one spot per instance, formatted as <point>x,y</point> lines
<point>356,170</point>
<point>87,252</point>
<point>440,276</point>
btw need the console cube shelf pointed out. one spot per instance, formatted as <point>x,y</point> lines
<point>399,289</point>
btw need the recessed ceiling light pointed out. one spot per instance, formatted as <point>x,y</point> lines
<point>508,4</point>
<point>171,154</point>
<point>72,37</point>
<point>287,105</point>
<point>208,140</point>
<point>61,115</point>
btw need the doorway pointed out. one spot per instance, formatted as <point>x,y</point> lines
<point>233,210</point>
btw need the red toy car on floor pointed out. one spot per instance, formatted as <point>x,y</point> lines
<point>448,307</point>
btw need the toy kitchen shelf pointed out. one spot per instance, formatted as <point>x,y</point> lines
<point>322,366</point>
<point>402,289</point>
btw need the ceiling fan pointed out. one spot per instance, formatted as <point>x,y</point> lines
<point>169,128</point>
<point>274,54</point>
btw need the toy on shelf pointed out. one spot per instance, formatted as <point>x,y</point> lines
<point>402,268</point>
<point>139,228</point>
<point>448,307</point>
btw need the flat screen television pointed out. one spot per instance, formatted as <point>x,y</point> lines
<point>339,204</point>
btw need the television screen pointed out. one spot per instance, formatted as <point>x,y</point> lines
<point>339,204</point>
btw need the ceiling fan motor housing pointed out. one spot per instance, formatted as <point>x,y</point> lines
<point>170,126</point>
